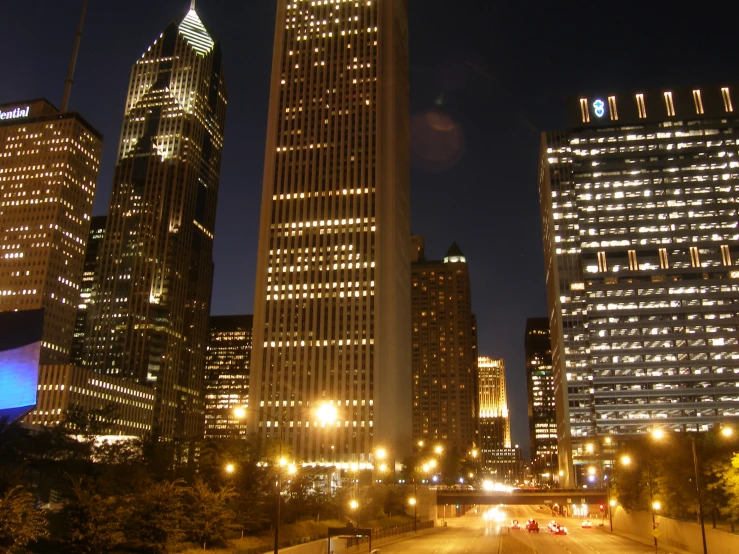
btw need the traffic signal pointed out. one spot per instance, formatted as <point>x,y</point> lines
<point>602,507</point>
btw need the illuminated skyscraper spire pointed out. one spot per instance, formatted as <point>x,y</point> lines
<point>150,318</point>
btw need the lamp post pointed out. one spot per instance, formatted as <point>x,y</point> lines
<point>413,502</point>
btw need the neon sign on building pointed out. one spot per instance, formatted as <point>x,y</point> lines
<point>599,108</point>
<point>16,113</point>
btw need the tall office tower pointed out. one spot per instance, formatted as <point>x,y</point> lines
<point>89,276</point>
<point>542,418</point>
<point>444,358</point>
<point>227,364</point>
<point>149,321</point>
<point>48,173</point>
<point>639,211</point>
<point>331,308</point>
<point>498,457</point>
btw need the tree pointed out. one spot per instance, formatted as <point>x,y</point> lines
<point>210,517</point>
<point>730,482</point>
<point>154,515</point>
<point>94,522</point>
<point>20,522</point>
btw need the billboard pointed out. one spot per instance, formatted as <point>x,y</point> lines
<point>20,348</point>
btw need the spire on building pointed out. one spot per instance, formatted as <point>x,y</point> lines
<point>195,33</point>
<point>454,254</point>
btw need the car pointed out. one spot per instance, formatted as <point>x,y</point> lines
<point>532,526</point>
<point>586,524</point>
<point>559,530</point>
<point>552,524</point>
<point>515,524</point>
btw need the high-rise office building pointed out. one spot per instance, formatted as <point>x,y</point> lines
<point>48,173</point>
<point>89,276</point>
<point>227,363</point>
<point>639,210</point>
<point>540,385</point>
<point>331,308</point>
<point>444,355</point>
<point>149,321</point>
<point>501,460</point>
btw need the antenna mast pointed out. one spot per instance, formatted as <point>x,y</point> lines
<point>73,62</point>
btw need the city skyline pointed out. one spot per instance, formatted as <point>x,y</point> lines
<point>470,65</point>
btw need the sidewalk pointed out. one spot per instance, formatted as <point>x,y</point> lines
<point>665,548</point>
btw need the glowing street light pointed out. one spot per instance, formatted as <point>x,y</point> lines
<point>591,470</point>
<point>239,413</point>
<point>658,434</point>
<point>613,503</point>
<point>412,502</point>
<point>626,459</point>
<point>727,431</point>
<point>438,449</point>
<point>230,468</point>
<point>353,504</point>
<point>326,413</point>
<point>381,453</point>
<point>656,505</point>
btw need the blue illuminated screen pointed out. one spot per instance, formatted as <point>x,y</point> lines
<point>19,376</point>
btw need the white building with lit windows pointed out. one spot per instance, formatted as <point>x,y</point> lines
<point>332,300</point>
<point>49,163</point>
<point>639,212</point>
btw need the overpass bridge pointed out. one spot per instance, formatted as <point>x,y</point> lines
<point>548,497</point>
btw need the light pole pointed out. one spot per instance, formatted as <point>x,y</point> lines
<point>413,502</point>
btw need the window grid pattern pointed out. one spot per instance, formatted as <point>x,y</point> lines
<point>645,217</point>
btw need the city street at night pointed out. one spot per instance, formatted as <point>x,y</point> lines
<point>471,534</point>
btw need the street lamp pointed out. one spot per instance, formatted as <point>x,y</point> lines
<point>230,468</point>
<point>412,502</point>
<point>438,449</point>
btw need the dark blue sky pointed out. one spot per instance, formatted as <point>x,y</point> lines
<point>498,71</point>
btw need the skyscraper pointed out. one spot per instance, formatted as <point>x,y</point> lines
<point>150,317</point>
<point>499,458</point>
<point>444,355</point>
<point>89,276</point>
<point>540,384</point>
<point>227,364</point>
<point>331,308</point>
<point>639,212</point>
<point>48,173</point>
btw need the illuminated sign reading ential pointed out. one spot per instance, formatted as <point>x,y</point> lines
<point>16,113</point>
<point>599,107</point>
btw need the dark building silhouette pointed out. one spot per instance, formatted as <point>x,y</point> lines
<point>149,321</point>
<point>444,353</point>
<point>540,385</point>
<point>90,274</point>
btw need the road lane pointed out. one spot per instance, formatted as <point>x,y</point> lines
<point>472,534</point>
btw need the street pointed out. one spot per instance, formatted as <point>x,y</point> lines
<point>471,534</point>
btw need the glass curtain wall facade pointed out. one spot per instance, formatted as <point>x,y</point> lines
<point>332,300</point>
<point>49,165</point>
<point>639,211</point>
<point>149,321</point>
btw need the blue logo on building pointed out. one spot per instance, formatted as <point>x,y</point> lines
<point>599,107</point>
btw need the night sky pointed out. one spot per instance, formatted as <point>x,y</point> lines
<point>495,71</point>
